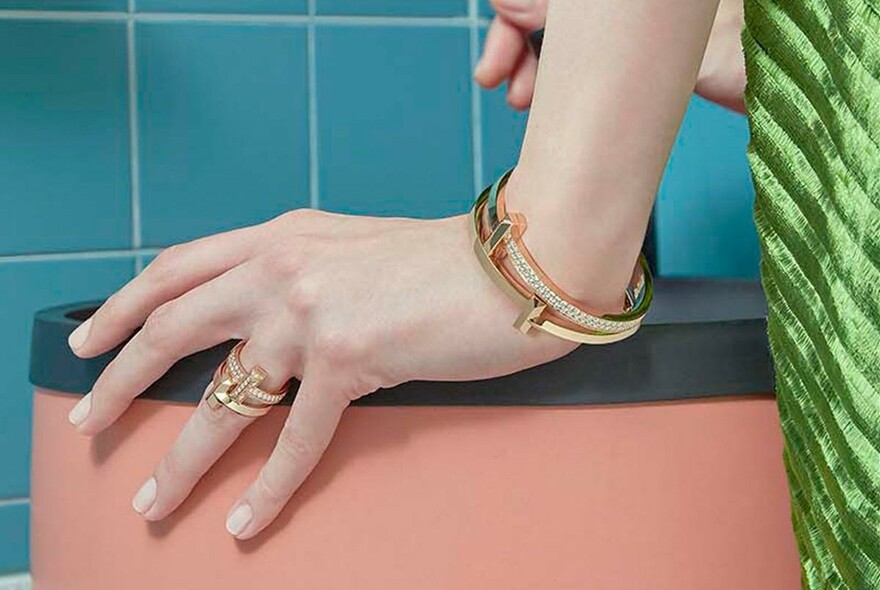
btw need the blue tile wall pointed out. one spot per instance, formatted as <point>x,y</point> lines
<point>704,208</point>
<point>95,5</point>
<point>223,126</point>
<point>393,7</point>
<point>64,122</point>
<point>14,540</point>
<point>228,127</point>
<point>503,129</point>
<point>225,6</point>
<point>394,130</point>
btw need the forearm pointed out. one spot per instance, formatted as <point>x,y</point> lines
<point>612,87</point>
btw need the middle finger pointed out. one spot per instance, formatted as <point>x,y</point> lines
<point>207,435</point>
<point>203,440</point>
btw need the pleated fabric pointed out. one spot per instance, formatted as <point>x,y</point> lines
<point>813,100</point>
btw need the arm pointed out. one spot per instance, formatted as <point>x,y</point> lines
<point>348,305</point>
<point>722,76</point>
<point>612,87</point>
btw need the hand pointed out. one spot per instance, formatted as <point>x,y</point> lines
<point>507,55</point>
<point>346,304</point>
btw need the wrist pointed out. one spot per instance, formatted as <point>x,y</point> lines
<point>583,238</point>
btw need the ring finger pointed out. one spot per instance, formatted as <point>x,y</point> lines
<point>204,439</point>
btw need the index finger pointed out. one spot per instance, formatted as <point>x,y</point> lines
<point>175,271</point>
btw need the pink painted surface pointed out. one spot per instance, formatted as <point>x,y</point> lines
<point>688,495</point>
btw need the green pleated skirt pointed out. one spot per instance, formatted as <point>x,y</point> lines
<point>813,100</point>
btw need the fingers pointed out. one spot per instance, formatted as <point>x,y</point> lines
<point>309,428</point>
<point>208,315</point>
<point>279,361</point>
<point>527,15</point>
<point>175,271</point>
<point>521,88</point>
<point>204,439</point>
<point>501,51</point>
<point>206,436</point>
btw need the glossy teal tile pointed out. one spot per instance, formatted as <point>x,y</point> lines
<point>27,287</point>
<point>223,126</point>
<point>486,8</point>
<point>393,7</point>
<point>14,538</point>
<point>85,5</point>
<point>224,6</point>
<point>704,208</point>
<point>503,129</point>
<point>394,132</point>
<point>64,144</point>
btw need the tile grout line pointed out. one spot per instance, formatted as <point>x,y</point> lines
<point>61,15</point>
<point>476,107</point>
<point>23,501</point>
<point>305,19</point>
<point>80,255</point>
<point>314,188</point>
<point>134,136</point>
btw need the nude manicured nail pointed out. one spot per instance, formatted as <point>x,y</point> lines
<point>78,337</point>
<point>81,410</point>
<point>239,519</point>
<point>145,496</point>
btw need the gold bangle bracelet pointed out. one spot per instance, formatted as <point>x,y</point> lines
<point>534,293</point>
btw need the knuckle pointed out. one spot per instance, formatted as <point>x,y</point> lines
<point>170,468</point>
<point>165,265</point>
<point>270,490</point>
<point>299,216</point>
<point>108,310</point>
<point>296,447</point>
<point>302,297</point>
<point>159,325</point>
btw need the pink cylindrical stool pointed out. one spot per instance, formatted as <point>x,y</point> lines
<point>661,495</point>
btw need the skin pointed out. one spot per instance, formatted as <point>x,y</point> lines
<point>353,304</point>
<point>507,57</point>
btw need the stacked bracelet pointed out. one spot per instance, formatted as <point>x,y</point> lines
<point>497,236</point>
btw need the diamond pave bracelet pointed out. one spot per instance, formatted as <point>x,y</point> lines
<point>497,236</point>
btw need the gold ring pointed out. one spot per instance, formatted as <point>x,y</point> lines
<point>239,390</point>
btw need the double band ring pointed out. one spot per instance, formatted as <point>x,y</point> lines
<point>239,390</point>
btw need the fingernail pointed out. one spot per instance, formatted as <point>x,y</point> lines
<point>145,497</point>
<point>78,337</point>
<point>478,69</point>
<point>81,410</point>
<point>239,519</point>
